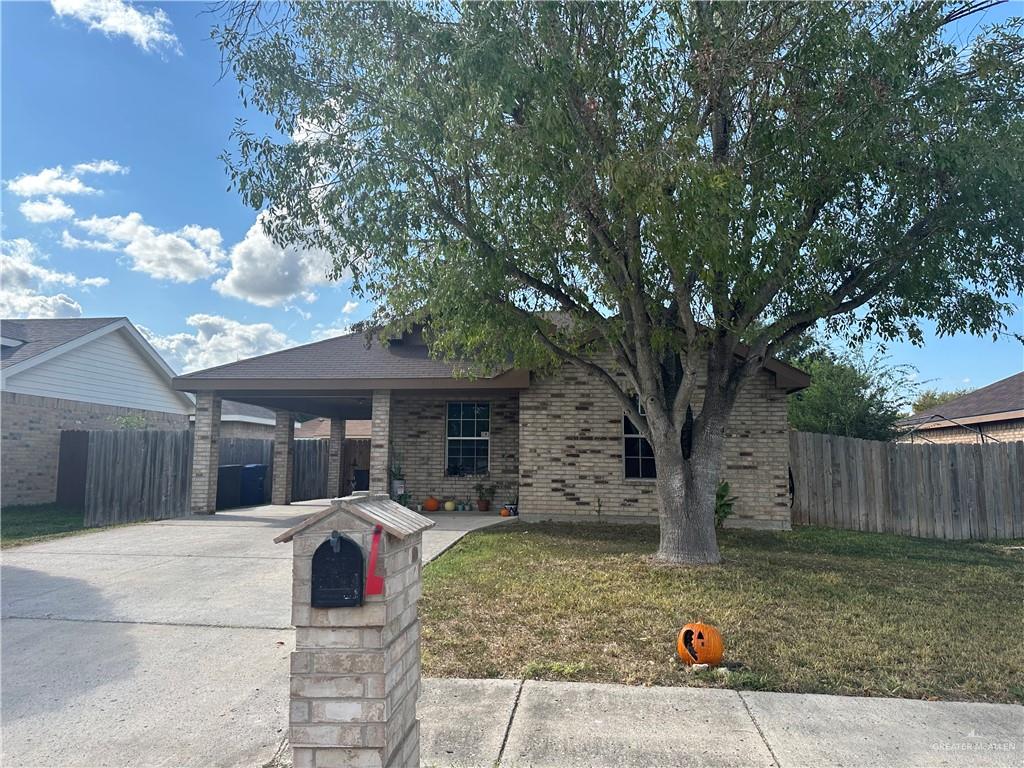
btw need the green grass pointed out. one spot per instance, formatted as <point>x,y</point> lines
<point>810,610</point>
<point>28,524</point>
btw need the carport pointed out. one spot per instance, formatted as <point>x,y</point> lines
<point>351,377</point>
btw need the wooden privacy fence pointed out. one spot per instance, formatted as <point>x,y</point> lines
<point>136,475</point>
<point>309,476</point>
<point>958,491</point>
<point>122,476</point>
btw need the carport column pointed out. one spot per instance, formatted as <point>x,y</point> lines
<point>380,442</point>
<point>335,454</point>
<point>284,457</point>
<point>205,454</point>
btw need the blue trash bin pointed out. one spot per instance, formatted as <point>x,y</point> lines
<point>252,480</point>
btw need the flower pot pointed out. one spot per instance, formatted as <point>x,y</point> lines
<point>484,505</point>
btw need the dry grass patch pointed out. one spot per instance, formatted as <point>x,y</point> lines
<point>809,611</point>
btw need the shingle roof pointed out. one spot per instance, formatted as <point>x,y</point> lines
<point>43,335</point>
<point>232,408</point>
<point>343,357</point>
<point>1002,396</point>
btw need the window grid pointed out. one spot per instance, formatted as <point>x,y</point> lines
<point>637,454</point>
<point>467,439</point>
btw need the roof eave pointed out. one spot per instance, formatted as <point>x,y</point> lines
<point>940,422</point>
<point>514,379</point>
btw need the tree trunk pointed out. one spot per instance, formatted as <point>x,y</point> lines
<point>686,492</point>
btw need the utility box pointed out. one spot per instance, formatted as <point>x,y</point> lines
<point>355,671</point>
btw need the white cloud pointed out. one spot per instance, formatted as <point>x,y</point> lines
<point>216,340</point>
<point>149,31</point>
<point>350,307</point>
<point>50,209</point>
<point>25,284</point>
<point>321,332</point>
<point>263,273</point>
<point>71,242</point>
<point>189,254</point>
<point>49,181</point>
<point>100,166</point>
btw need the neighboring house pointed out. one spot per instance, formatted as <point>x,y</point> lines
<point>559,444</point>
<point>242,420</point>
<point>321,427</point>
<point>992,413</point>
<point>85,373</point>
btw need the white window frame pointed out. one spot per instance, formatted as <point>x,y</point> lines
<point>486,436</point>
<point>625,437</point>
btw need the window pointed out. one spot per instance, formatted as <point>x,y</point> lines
<point>468,441</point>
<point>637,455</point>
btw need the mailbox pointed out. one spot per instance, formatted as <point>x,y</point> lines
<point>337,578</point>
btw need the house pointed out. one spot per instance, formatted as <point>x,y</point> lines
<point>991,414</point>
<point>82,373</point>
<point>249,421</point>
<point>560,444</point>
<point>86,374</point>
<point>320,427</point>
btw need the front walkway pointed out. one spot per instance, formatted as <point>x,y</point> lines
<point>162,644</point>
<point>512,724</point>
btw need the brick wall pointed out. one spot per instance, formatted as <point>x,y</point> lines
<point>418,424</point>
<point>1003,431</point>
<point>570,433</point>
<point>30,439</point>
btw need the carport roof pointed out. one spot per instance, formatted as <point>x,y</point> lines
<point>352,362</point>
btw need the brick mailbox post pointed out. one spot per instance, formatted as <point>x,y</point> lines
<point>355,672</point>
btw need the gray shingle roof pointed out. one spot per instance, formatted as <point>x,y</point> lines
<point>1000,397</point>
<point>43,335</point>
<point>343,357</point>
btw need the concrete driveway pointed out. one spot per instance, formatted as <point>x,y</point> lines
<point>164,644</point>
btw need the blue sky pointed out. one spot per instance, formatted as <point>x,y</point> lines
<point>153,233</point>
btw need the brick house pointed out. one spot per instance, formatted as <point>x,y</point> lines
<point>80,373</point>
<point>990,414</point>
<point>560,444</point>
<point>86,374</point>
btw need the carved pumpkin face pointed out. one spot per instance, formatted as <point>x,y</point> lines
<point>700,644</point>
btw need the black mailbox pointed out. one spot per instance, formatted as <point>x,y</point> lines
<point>337,580</point>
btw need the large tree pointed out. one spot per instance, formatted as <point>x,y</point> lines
<point>690,186</point>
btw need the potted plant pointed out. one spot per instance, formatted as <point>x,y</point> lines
<point>484,496</point>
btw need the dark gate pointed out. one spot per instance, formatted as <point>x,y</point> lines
<point>72,464</point>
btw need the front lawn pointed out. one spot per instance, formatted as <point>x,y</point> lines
<point>25,525</point>
<point>810,611</point>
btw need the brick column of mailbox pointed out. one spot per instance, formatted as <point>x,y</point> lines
<point>284,457</point>
<point>335,454</point>
<point>205,454</point>
<point>355,672</point>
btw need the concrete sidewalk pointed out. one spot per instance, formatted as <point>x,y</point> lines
<point>515,724</point>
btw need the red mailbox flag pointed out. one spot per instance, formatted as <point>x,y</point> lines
<point>374,583</point>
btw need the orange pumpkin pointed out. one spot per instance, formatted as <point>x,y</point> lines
<point>505,512</point>
<point>700,644</point>
<point>431,504</point>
